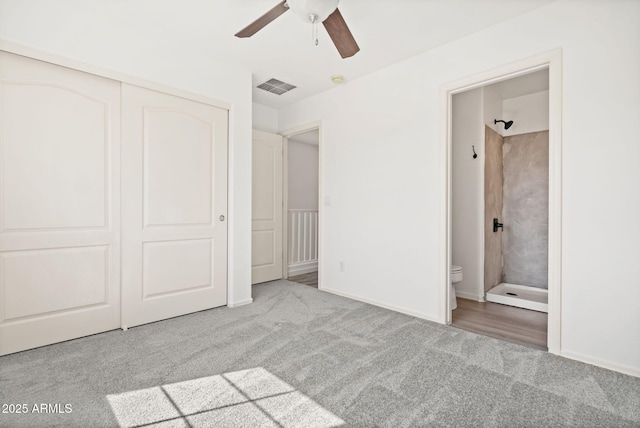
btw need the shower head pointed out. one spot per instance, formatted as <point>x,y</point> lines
<point>507,125</point>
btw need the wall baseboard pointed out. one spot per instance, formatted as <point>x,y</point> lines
<point>240,303</point>
<point>609,365</point>
<point>469,296</point>
<point>302,268</point>
<point>381,305</point>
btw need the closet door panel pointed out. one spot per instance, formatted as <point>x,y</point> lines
<point>59,203</point>
<point>174,206</point>
<point>176,141</point>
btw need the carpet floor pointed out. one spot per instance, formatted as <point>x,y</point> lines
<point>299,357</point>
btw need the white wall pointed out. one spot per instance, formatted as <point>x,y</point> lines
<point>382,156</point>
<point>81,34</point>
<point>302,176</point>
<point>530,113</point>
<point>467,192</point>
<point>492,108</point>
<point>265,118</point>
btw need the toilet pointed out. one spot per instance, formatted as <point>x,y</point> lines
<point>456,276</point>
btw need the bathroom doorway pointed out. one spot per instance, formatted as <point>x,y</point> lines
<point>503,203</point>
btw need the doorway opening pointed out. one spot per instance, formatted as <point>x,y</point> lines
<point>302,208</point>
<point>503,203</point>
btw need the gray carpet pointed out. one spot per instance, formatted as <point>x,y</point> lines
<point>301,357</point>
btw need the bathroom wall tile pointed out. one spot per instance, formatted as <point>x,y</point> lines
<point>492,207</point>
<point>525,210</point>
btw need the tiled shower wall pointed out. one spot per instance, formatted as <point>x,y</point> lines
<point>493,144</point>
<point>525,211</point>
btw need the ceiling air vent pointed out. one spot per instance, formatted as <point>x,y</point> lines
<point>276,86</point>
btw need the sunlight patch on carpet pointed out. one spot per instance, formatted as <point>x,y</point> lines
<point>253,397</point>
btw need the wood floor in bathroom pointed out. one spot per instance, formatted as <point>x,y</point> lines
<point>504,322</point>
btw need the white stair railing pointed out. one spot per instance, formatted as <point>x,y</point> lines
<point>303,241</point>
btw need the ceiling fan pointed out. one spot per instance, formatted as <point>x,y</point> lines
<point>311,11</point>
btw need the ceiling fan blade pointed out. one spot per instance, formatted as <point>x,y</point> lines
<point>340,34</point>
<point>261,22</point>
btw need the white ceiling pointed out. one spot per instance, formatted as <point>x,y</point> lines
<point>387,31</point>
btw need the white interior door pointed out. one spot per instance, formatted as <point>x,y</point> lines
<point>174,230</point>
<point>267,208</point>
<point>59,204</point>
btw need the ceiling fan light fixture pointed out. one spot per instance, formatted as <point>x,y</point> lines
<point>313,11</point>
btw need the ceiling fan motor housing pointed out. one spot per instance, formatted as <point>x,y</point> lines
<point>313,11</point>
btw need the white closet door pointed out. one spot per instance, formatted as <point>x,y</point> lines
<point>174,230</point>
<point>267,208</point>
<point>59,203</point>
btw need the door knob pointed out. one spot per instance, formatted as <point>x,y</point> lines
<point>497,225</point>
<point>221,218</point>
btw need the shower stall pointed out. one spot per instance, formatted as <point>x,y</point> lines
<point>516,219</point>
<point>500,191</point>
